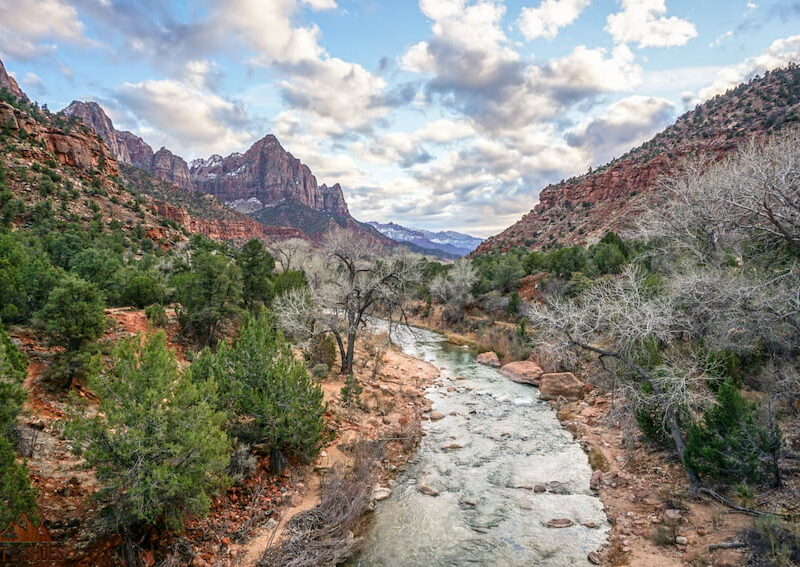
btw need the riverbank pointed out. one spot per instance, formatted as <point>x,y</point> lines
<point>391,412</point>
<point>654,520</point>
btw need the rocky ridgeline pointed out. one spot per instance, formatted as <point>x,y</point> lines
<point>74,148</point>
<point>264,175</point>
<point>582,209</point>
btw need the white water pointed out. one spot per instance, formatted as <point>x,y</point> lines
<point>486,512</point>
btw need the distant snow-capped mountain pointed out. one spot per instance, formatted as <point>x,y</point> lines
<point>450,242</point>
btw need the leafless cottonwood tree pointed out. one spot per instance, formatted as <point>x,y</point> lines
<point>350,279</point>
<point>291,254</point>
<point>616,319</point>
<point>454,288</point>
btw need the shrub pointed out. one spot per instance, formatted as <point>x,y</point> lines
<point>514,304</point>
<point>289,279</point>
<point>320,371</point>
<point>322,350</point>
<point>73,314</point>
<point>156,442</point>
<point>351,392</point>
<point>209,294</point>
<point>140,287</point>
<point>156,314</point>
<point>271,398</point>
<point>16,494</point>
<point>731,445</point>
<point>257,266</point>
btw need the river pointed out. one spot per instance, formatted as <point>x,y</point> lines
<point>486,512</point>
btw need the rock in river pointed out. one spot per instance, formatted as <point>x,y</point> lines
<point>524,372</point>
<point>489,359</point>
<point>561,384</point>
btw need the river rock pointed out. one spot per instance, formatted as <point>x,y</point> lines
<point>560,523</point>
<point>452,446</point>
<point>381,493</point>
<point>681,540</point>
<point>523,371</point>
<point>436,415</point>
<point>594,558</point>
<point>560,385</point>
<point>489,359</point>
<point>427,490</point>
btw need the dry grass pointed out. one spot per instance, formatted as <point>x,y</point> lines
<point>328,534</point>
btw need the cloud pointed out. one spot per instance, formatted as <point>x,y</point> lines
<point>32,83</point>
<point>549,17</point>
<point>644,22</point>
<point>186,117</point>
<point>626,124</point>
<point>28,27</point>
<point>473,69</point>
<point>720,38</point>
<point>779,54</point>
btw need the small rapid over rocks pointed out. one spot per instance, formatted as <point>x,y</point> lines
<point>496,480</point>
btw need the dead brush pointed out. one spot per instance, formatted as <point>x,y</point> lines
<point>330,533</point>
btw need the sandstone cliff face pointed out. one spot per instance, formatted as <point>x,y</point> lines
<point>240,231</point>
<point>264,175</point>
<point>581,210</point>
<point>139,152</point>
<point>73,148</point>
<point>172,168</point>
<point>8,83</point>
<point>91,114</point>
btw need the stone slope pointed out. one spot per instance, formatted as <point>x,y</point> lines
<point>8,83</point>
<point>582,209</point>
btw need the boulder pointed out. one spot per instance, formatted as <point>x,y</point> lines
<point>489,359</point>
<point>436,415</point>
<point>381,493</point>
<point>560,385</point>
<point>524,372</point>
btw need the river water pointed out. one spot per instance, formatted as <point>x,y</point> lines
<point>486,511</point>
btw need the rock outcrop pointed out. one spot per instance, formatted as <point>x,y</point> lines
<point>93,116</point>
<point>75,148</point>
<point>264,175</point>
<point>582,209</point>
<point>8,83</point>
<point>138,151</point>
<point>239,230</point>
<point>169,167</point>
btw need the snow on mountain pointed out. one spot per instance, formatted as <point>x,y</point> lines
<point>451,242</point>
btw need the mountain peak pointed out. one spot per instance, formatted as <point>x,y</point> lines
<point>7,82</point>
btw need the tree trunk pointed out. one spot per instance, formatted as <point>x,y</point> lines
<point>347,367</point>
<point>342,353</point>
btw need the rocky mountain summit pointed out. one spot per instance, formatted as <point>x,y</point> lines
<point>266,182</point>
<point>264,175</point>
<point>582,209</point>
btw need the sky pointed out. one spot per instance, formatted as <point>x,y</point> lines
<point>437,114</point>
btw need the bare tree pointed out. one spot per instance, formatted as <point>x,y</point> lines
<point>354,280</point>
<point>767,187</point>
<point>617,319</point>
<point>291,254</point>
<point>454,288</point>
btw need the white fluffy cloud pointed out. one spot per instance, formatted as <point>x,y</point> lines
<point>549,17</point>
<point>626,124</point>
<point>28,26</point>
<point>780,53</point>
<point>186,117</point>
<point>645,23</point>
